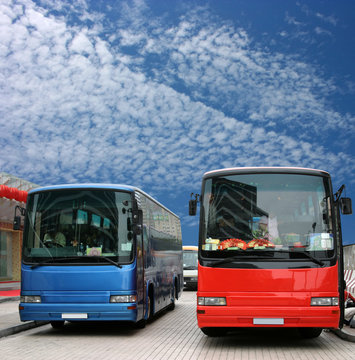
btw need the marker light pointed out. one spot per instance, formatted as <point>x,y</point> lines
<point>325,301</point>
<point>212,301</point>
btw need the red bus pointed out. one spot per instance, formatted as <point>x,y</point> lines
<point>270,250</point>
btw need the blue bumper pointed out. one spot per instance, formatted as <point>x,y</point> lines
<point>75,312</point>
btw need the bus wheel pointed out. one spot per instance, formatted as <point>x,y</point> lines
<point>150,307</point>
<point>140,324</point>
<point>310,333</point>
<point>57,324</point>
<point>214,331</point>
<point>173,297</point>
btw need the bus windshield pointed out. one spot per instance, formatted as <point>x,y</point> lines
<point>282,214</point>
<point>79,226</point>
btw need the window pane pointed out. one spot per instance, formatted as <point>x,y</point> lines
<point>79,223</point>
<point>267,212</point>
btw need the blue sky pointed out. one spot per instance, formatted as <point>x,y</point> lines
<point>155,93</point>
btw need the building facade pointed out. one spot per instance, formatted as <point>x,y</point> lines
<point>13,192</point>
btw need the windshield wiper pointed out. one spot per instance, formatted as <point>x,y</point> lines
<point>309,256</point>
<point>54,260</point>
<point>233,258</point>
<point>193,267</point>
<point>269,253</point>
<point>107,259</point>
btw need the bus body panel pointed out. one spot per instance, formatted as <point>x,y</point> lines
<point>267,280</point>
<point>78,278</point>
<point>78,289</point>
<point>268,293</point>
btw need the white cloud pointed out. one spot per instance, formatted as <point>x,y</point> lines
<point>74,107</point>
<point>81,44</point>
<point>320,31</point>
<point>328,19</point>
<point>292,20</point>
<point>225,70</point>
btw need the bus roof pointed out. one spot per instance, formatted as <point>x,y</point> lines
<point>121,187</point>
<point>270,169</point>
<point>85,186</point>
<point>190,247</point>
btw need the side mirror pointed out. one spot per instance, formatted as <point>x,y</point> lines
<point>192,207</point>
<point>17,219</point>
<point>346,206</point>
<point>137,229</point>
<point>17,223</point>
<point>193,204</point>
<point>137,216</point>
<point>129,225</point>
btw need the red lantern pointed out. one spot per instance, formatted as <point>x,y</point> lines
<point>2,190</point>
<point>23,196</point>
<point>7,192</point>
<point>20,196</point>
<point>13,193</point>
<point>17,195</point>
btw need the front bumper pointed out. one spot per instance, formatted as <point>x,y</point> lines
<point>82,312</point>
<point>190,282</point>
<point>232,316</point>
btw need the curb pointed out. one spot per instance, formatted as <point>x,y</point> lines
<point>344,335</point>
<point>22,327</point>
<point>9,298</point>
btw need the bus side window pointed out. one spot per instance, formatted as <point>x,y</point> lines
<point>146,248</point>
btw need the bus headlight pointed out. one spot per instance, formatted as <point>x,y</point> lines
<point>325,301</point>
<point>123,298</point>
<point>30,299</point>
<point>212,301</point>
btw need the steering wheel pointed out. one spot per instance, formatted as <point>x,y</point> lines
<point>51,244</point>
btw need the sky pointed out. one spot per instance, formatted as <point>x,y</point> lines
<point>155,93</point>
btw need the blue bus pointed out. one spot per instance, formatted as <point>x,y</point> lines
<point>94,252</point>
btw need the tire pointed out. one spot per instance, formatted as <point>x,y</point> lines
<point>140,324</point>
<point>174,293</point>
<point>150,314</point>
<point>310,333</point>
<point>214,331</point>
<point>57,324</point>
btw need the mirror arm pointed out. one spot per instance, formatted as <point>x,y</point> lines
<point>21,209</point>
<point>339,192</point>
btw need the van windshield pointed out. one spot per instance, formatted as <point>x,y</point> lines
<point>190,258</point>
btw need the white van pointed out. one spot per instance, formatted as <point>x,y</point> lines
<point>190,257</point>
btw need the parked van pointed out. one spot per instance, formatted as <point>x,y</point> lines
<point>190,260</point>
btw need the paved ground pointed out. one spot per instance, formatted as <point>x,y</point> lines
<point>173,335</point>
